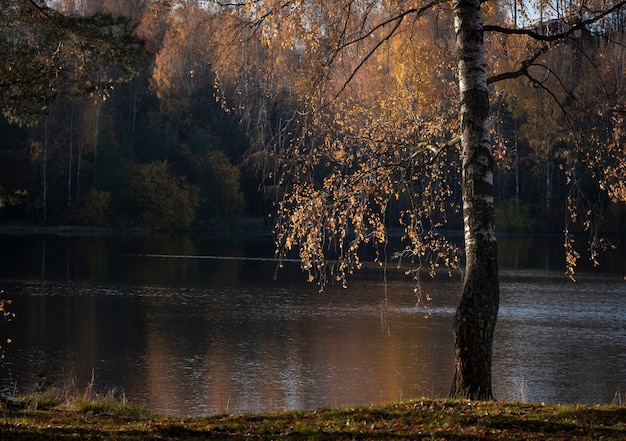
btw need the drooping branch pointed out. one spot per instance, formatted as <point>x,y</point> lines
<point>364,60</point>
<point>394,21</point>
<point>557,36</point>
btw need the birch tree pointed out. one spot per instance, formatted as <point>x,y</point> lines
<point>355,143</point>
<point>475,318</point>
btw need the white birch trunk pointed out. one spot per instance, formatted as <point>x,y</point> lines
<point>476,314</point>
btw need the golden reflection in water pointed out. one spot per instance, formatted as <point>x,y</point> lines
<point>271,362</point>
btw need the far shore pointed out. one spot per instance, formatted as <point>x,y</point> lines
<point>232,226</point>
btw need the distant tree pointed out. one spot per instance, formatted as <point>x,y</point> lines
<point>514,217</point>
<point>219,181</point>
<point>92,208</point>
<point>160,200</point>
<point>182,66</point>
<point>46,53</point>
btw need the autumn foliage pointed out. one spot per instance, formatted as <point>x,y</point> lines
<point>343,115</point>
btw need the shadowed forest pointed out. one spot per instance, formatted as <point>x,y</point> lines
<point>185,143</point>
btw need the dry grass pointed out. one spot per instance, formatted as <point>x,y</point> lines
<point>415,420</point>
<point>71,398</point>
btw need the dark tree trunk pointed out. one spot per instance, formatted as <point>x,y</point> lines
<point>476,314</point>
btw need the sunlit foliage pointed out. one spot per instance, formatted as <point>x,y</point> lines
<point>182,67</point>
<point>350,108</point>
<point>367,123</point>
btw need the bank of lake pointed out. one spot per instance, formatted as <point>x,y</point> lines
<point>415,420</point>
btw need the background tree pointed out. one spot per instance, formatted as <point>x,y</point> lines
<point>161,201</point>
<point>182,68</point>
<point>219,182</point>
<point>46,54</point>
<point>92,209</point>
<point>567,118</point>
<point>114,125</point>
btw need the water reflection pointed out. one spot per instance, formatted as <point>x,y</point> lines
<point>285,348</point>
<point>207,350</point>
<point>562,341</point>
<point>198,336</point>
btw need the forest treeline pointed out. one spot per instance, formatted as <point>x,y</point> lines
<point>179,145</point>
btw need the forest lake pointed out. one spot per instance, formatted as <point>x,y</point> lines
<point>197,325</point>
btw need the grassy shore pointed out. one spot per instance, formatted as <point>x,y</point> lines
<point>415,420</point>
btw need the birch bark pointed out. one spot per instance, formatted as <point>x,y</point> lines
<point>476,315</point>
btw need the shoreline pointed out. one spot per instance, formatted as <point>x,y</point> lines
<point>414,419</point>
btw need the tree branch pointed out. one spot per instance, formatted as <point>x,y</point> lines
<point>396,20</point>
<point>579,25</point>
<point>522,71</point>
<point>43,10</point>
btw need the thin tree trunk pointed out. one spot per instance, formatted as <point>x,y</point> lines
<point>69,162</point>
<point>78,164</point>
<point>517,196</point>
<point>96,135</point>
<point>44,176</point>
<point>475,318</point>
<point>133,112</point>
<point>548,178</point>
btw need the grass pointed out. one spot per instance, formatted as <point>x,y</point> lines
<point>72,398</point>
<point>112,418</point>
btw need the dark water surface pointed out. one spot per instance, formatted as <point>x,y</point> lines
<point>192,325</point>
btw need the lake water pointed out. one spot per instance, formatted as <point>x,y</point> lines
<point>190,325</point>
